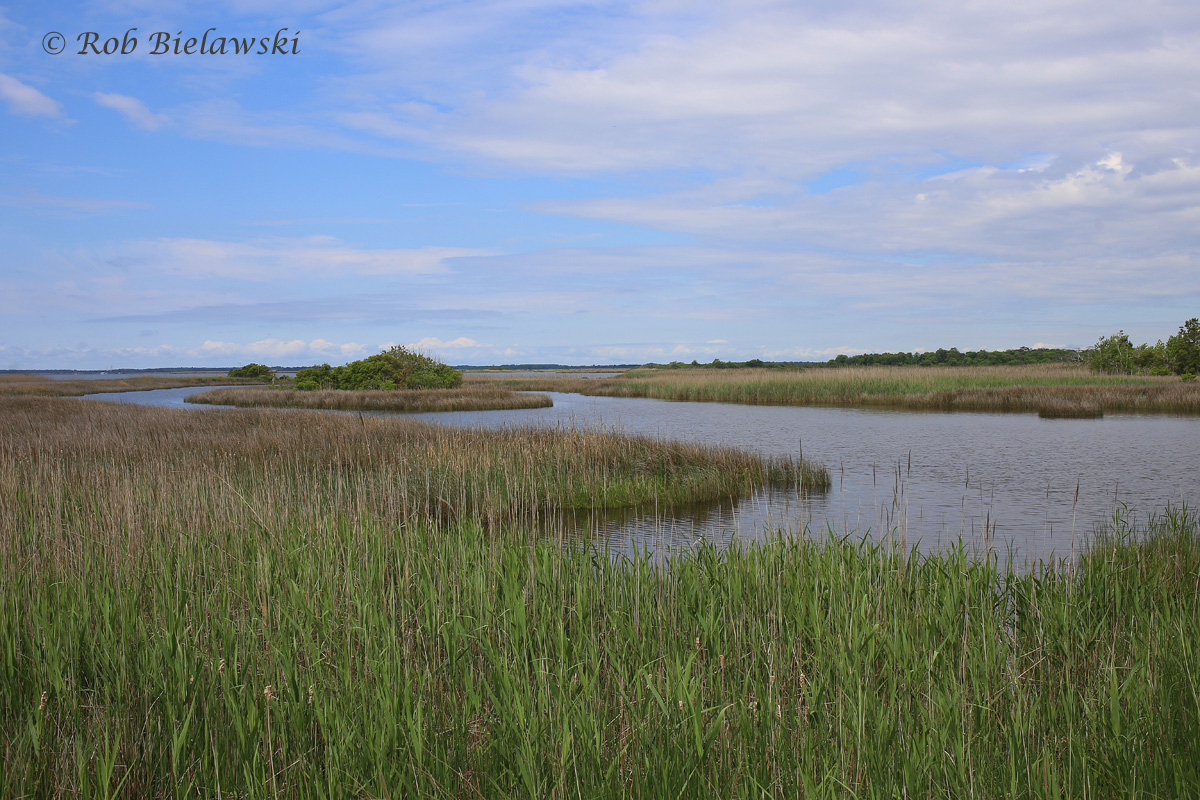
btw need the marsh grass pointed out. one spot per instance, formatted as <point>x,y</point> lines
<point>145,470</point>
<point>194,636</point>
<point>1057,388</point>
<point>23,384</point>
<point>470,398</point>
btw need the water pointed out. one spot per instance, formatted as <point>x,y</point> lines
<point>162,398</point>
<point>1011,482</point>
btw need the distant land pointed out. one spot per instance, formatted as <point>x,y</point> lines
<point>939,357</point>
<point>222,370</point>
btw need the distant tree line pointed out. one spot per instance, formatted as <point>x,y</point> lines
<point>1179,355</point>
<point>716,363</point>
<point>941,357</point>
<point>954,358</point>
<point>397,368</point>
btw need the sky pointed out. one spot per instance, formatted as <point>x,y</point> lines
<point>532,181</point>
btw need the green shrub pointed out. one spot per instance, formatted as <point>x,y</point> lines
<point>253,371</point>
<point>396,368</point>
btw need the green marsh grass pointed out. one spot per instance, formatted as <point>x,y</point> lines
<point>1008,388</point>
<point>471,398</point>
<point>182,614</point>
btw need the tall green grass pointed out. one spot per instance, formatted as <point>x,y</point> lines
<point>355,661</point>
<point>195,636</point>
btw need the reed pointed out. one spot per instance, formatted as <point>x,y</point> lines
<point>1032,388</point>
<point>151,646</point>
<point>147,471</point>
<point>471,398</point>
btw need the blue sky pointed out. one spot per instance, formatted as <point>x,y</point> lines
<point>503,181</point>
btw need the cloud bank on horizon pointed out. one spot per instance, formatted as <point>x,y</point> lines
<point>502,181</point>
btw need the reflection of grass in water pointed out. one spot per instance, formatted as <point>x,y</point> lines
<point>1025,388</point>
<point>335,653</point>
<point>470,398</point>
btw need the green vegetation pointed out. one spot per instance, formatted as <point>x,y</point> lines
<point>1047,389</point>
<point>268,604</point>
<point>953,358</point>
<point>396,368</point>
<point>1179,355</point>
<point>260,371</point>
<point>478,397</point>
<point>933,358</point>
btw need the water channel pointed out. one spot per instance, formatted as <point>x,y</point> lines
<point>1015,483</point>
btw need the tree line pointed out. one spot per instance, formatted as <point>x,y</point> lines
<point>954,358</point>
<point>1179,355</point>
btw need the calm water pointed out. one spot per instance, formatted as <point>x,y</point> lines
<point>1005,481</point>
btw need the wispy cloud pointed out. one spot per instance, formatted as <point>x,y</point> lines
<point>83,205</point>
<point>133,110</point>
<point>274,258</point>
<point>24,99</point>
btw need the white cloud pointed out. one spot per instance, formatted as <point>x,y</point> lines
<point>790,90</point>
<point>24,99</point>
<point>434,343</point>
<point>276,349</point>
<point>276,258</point>
<point>133,110</point>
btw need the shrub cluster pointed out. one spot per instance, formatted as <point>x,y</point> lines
<point>954,358</point>
<point>253,371</point>
<point>396,368</point>
<point>1179,355</point>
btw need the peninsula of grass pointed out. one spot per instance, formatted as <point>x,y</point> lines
<point>274,467</point>
<point>271,604</point>
<point>30,385</point>
<point>472,398</point>
<point>1050,389</point>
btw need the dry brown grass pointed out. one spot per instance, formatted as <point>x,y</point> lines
<point>17,385</point>
<point>1059,389</point>
<point>469,398</point>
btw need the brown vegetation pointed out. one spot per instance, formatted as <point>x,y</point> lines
<point>23,384</point>
<point>71,469</point>
<point>472,398</point>
<point>1056,389</point>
